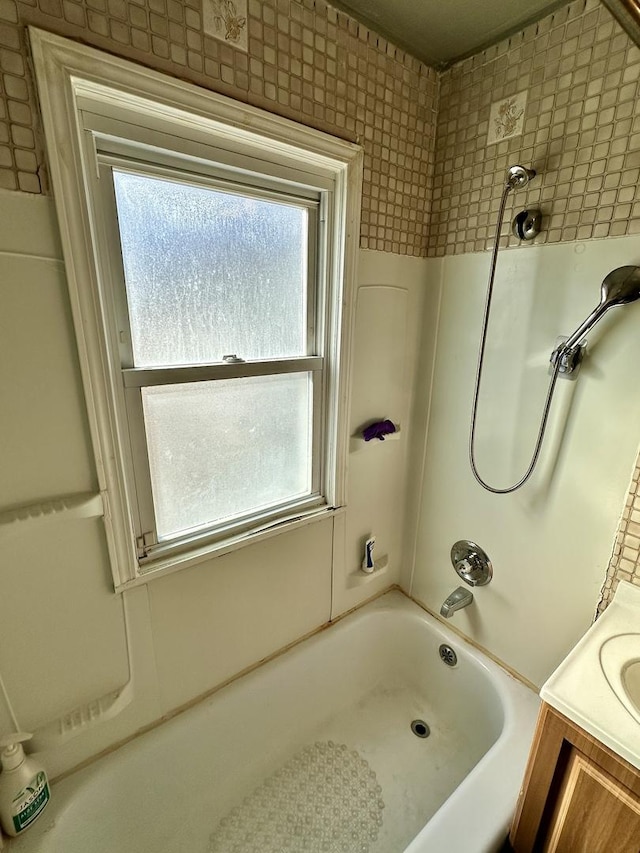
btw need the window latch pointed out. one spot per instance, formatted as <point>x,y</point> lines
<point>143,543</point>
<point>232,359</point>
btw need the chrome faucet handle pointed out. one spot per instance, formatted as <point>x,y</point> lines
<point>471,563</point>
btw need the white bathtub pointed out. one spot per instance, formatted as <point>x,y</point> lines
<point>317,740</point>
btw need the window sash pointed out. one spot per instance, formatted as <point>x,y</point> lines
<point>116,134</point>
<point>207,514</point>
<point>137,377</point>
<point>160,555</point>
<point>127,153</point>
<point>148,545</point>
<point>316,293</point>
<point>134,379</point>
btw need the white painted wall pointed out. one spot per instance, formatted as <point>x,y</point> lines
<point>62,629</point>
<point>549,542</point>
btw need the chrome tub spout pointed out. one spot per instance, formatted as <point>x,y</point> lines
<point>458,599</point>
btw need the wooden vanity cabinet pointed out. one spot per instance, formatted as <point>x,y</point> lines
<point>578,796</point>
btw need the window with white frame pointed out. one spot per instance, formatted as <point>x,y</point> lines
<point>209,248</point>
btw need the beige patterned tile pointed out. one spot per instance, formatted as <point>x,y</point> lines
<point>432,183</point>
<point>580,124</point>
<point>305,61</point>
<point>625,559</point>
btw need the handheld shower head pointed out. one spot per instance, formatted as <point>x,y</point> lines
<point>620,287</point>
<point>518,177</point>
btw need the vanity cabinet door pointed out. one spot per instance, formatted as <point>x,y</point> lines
<point>578,796</point>
<point>593,812</point>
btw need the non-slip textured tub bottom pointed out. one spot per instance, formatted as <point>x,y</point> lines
<point>324,800</point>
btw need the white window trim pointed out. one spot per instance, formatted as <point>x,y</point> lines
<point>71,77</point>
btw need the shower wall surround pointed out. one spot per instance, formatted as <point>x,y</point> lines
<point>179,636</point>
<point>192,630</point>
<point>305,61</point>
<point>550,542</point>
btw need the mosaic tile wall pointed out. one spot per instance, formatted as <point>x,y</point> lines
<point>625,560</point>
<point>309,62</point>
<point>581,132</point>
<point>305,61</point>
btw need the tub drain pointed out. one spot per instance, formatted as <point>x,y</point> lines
<point>448,655</point>
<point>420,728</point>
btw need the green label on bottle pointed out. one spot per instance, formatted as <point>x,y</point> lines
<point>28,804</point>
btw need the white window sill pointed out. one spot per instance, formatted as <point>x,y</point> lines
<point>161,567</point>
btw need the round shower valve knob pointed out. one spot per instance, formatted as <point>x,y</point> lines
<point>471,563</point>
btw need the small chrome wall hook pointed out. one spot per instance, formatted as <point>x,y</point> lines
<point>527,224</point>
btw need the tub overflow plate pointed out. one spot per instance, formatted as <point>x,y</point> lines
<point>448,655</point>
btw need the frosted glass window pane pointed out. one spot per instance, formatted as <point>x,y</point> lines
<point>209,273</point>
<point>220,449</point>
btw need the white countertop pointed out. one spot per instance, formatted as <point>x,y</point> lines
<point>587,686</point>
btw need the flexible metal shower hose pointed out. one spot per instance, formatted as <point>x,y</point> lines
<point>476,392</point>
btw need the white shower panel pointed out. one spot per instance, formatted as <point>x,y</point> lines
<point>551,541</point>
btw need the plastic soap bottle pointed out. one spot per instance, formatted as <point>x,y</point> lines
<point>24,787</point>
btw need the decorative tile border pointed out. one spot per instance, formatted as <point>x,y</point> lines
<point>304,60</point>
<point>581,133</point>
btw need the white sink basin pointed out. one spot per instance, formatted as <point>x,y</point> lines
<point>598,684</point>
<point>620,661</point>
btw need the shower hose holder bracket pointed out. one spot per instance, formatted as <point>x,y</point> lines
<point>570,358</point>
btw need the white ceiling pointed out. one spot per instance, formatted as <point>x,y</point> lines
<point>441,31</point>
